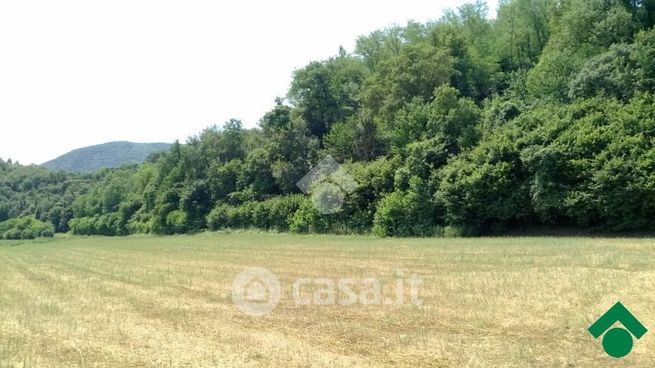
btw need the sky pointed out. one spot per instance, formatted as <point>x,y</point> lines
<point>78,73</point>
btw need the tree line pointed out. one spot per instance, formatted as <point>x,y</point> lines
<point>544,116</point>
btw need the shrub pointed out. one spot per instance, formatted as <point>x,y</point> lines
<point>308,220</point>
<point>487,184</point>
<point>27,234</point>
<point>82,226</point>
<point>107,225</point>
<point>406,213</point>
<point>25,228</point>
<point>276,213</point>
<point>457,231</point>
<point>218,217</point>
<point>177,222</point>
<point>242,217</point>
<point>13,234</point>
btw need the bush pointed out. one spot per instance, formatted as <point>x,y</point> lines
<point>177,222</point>
<point>487,184</point>
<point>225,216</point>
<point>107,225</point>
<point>271,214</point>
<point>82,226</point>
<point>406,213</point>
<point>242,217</point>
<point>307,219</point>
<point>27,234</point>
<point>218,217</point>
<point>139,224</point>
<point>25,228</point>
<point>354,216</point>
<point>275,213</point>
<point>458,231</point>
<point>13,234</point>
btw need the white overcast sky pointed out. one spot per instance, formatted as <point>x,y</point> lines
<point>77,73</point>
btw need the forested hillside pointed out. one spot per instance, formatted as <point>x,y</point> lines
<point>544,116</point>
<point>34,192</point>
<point>106,155</point>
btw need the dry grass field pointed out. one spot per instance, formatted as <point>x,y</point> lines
<point>166,302</point>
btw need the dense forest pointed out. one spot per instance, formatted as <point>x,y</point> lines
<point>31,195</point>
<point>544,116</point>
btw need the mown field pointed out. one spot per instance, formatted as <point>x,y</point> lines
<point>166,302</point>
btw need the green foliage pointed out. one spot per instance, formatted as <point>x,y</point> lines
<point>597,171</point>
<point>457,127</point>
<point>620,72</point>
<point>25,228</point>
<point>83,226</point>
<point>642,55</point>
<point>107,225</point>
<point>406,213</point>
<point>177,222</point>
<point>357,139</point>
<point>326,92</point>
<point>453,119</point>
<point>45,195</point>
<point>374,180</point>
<point>414,73</point>
<point>195,202</point>
<point>219,217</point>
<point>276,213</point>
<point>522,32</point>
<point>424,157</point>
<point>608,74</point>
<point>583,29</point>
<point>469,38</point>
<point>272,214</point>
<point>485,185</point>
<point>291,150</point>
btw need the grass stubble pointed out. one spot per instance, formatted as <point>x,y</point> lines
<point>147,301</point>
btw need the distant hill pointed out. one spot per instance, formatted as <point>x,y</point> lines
<point>107,155</point>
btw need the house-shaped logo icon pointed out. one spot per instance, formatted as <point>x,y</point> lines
<point>617,341</point>
<point>256,291</point>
